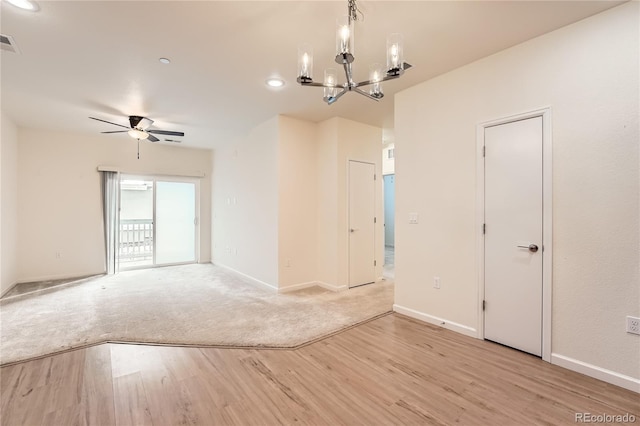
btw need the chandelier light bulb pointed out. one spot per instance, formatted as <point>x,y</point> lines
<point>375,77</point>
<point>305,63</point>
<point>344,36</point>
<point>344,39</point>
<point>330,79</point>
<point>395,60</point>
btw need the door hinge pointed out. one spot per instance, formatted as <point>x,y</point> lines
<point>484,151</point>
<point>484,305</point>
<point>375,220</point>
<point>375,263</point>
<point>375,177</point>
<point>484,228</point>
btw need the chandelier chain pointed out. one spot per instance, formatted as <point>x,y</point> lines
<point>355,14</point>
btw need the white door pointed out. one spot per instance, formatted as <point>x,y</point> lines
<point>513,236</point>
<point>361,223</point>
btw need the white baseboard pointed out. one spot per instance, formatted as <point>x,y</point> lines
<point>449,325</point>
<point>247,277</point>
<point>324,285</point>
<point>332,287</point>
<point>596,372</point>
<point>295,287</point>
<point>77,275</point>
<point>8,289</point>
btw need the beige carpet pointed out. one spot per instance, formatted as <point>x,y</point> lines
<point>190,304</point>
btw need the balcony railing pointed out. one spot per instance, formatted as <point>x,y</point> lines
<point>136,240</point>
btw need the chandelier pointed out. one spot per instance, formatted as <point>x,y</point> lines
<point>344,56</point>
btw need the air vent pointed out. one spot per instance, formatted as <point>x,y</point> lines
<point>8,43</point>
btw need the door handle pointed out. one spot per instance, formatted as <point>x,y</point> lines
<point>532,248</point>
<point>352,230</point>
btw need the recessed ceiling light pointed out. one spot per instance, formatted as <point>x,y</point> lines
<point>275,82</point>
<point>165,60</point>
<point>25,4</point>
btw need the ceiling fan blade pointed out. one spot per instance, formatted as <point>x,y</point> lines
<point>116,131</point>
<point>152,138</point>
<point>166,132</point>
<point>145,123</point>
<point>138,122</point>
<point>105,121</point>
<point>172,140</point>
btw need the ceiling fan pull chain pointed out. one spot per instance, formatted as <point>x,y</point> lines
<point>138,149</point>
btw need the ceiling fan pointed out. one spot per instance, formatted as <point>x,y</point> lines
<point>139,129</point>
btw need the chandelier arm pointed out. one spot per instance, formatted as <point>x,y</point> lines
<point>366,83</point>
<point>391,77</point>
<point>314,84</point>
<point>336,97</point>
<point>363,93</point>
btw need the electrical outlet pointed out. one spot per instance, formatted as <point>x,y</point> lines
<point>436,282</point>
<point>633,325</point>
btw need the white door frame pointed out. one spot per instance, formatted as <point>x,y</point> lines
<point>547,217</point>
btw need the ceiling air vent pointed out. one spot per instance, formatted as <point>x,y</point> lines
<point>8,43</point>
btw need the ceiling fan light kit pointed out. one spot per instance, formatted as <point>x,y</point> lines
<point>139,130</point>
<point>138,134</point>
<point>344,56</point>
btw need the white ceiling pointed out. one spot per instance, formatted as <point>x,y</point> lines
<point>100,58</point>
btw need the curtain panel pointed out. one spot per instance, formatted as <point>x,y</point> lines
<point>110,209</point>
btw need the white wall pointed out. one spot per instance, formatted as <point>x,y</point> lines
<point>245,204</point>
<point>288,178</point>
<point>297,203</point>
<point>388,164</point>
<point>341,140</point>
<point>60,206</point>
<point>327,196</point>
<point>588,74</point>
<point>9,206</point>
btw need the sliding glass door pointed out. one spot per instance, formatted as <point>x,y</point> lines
<point>158,221</point>
<point>175,222</point>
<point>136,222</point>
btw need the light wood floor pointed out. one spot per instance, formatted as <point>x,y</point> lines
<point>392,370</point>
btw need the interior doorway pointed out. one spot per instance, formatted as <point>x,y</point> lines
<point>157,221</point>
<point>389,225</point>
